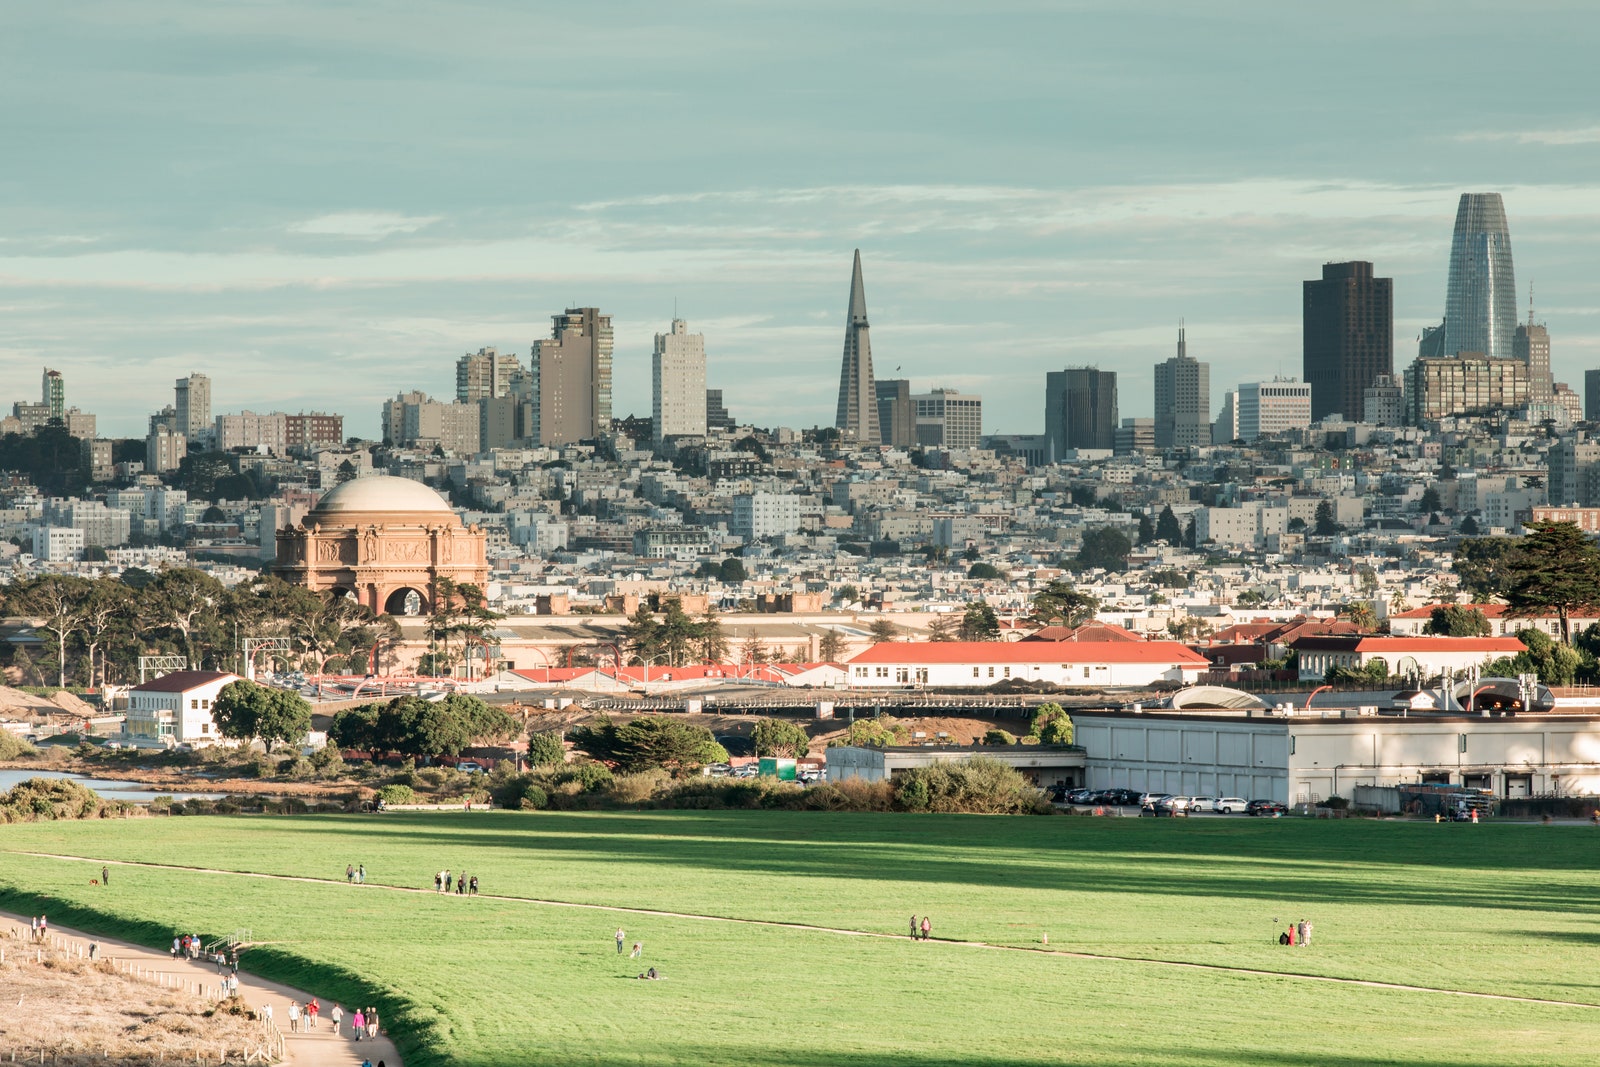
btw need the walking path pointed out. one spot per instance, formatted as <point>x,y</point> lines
<point>317,1048</point>
<point>844,932</point>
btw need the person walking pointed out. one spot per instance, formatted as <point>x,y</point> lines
<point>927,926</point>
<point>913,927</point>
<point>372,1023</point>
<point>1300,932</point>
<point>312,1011</point>
<point>294,1017</point>
<point>621,937</point>
<point>337,1015</point>
<point>438,880</point>
<point>361,875</point>
<point>447,881</point>
<point>358,1024</point>
<point>105,875</point>
<point>473,890</point>
<point>1305,932</point>
<point>349,873</point>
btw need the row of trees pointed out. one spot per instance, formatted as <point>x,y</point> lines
<point>96,629</point>
<point>422,729</point>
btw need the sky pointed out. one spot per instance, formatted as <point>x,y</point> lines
<point>322,204</point>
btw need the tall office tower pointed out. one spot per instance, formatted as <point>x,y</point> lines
<point>1347,336</point>
<point>1591,395</point>
<point>948,419</point>
<point>717,417</point>
<point>484,374</point>
<point>53,394</point>
<point>572,378</point>
<point>897,412</point>
<point>193,407</point>
<point>1480,307</point>
<point>678,374</point>
<point>1266,408</point>
<point>1183,400</point>
<point>1080,410</point>
<point>1225,430</point>
<point>1531,344</point>
<point>857,418</point>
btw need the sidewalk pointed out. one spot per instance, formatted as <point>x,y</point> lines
<point>319,1048</point>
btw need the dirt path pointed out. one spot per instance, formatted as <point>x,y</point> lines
<point>318,1048</point>
<point>842,932</point>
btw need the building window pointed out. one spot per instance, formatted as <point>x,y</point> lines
<point>1008,672</point>
<point>193,703</point>
<point>883,672</point>
<point>861,672</point>
<point>1086,672</point>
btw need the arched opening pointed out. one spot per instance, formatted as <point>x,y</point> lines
<point>404,601</point>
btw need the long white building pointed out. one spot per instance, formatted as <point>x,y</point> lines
<point>977,664</point>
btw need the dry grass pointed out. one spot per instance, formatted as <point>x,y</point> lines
<point>81,1013</point>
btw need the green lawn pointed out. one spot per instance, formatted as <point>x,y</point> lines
<point>1507,909</point>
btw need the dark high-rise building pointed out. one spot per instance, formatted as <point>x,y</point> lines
<point>1531,344</point>
<point>717,417</point>
<point>1183,400</point>
<point>1080,409</point>
<point>1591,395</point>
<point>857,418</point>
<point>1480,307</point>
<point>897,412</point>
<point>1348,336</point>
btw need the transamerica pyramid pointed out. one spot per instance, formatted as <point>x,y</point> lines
<point>858,396</point>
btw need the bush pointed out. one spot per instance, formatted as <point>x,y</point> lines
<point>980,784</point>
<point>588,776</point>
<point>913,794</point>
<point>999,737</point>
<point>546,750</point>
<point>638,788</point>
<point>1335,803</point>
<point>14,747</point>
<point>394,793</point>
<point>533,798</point>
<point>298,769</point>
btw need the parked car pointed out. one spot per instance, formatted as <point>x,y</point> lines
<point>1265,807</point>
<point>1229,805</point>
<point>1080,796</point>
<point>1123,796</point>
<point>1202,803</point>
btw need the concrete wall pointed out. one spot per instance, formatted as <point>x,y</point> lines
<point>1190,757</point>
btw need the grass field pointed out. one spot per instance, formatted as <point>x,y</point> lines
<point>1501,909</point>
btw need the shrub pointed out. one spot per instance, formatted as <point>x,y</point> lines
<point>546,750</point>
<point>588,776</point>
<point>1335,803</point>
<point>14,747</point>
<point>913,794</point>
<point>638,788</point>
<point>999,737</point>
<point>533,798</point>
<point>394,793</point>
<point>298,769</point>
<point>979,784</point>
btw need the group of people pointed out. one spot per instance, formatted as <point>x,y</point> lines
<point>1296,934</point>
<point>920,931</point>
<point>187,947</point>
<point>41,928</point>
<point>303,1017</point>
<point>355,875</point>
<point>363,1024</point>
<point>638,946</point>
<point>464,886</point>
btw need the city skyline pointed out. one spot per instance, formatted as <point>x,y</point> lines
<point>261,252</point>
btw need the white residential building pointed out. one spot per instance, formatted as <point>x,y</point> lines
<point>269,432</point>
<point>1246,526</point>
<point>57,544</point>
<point>678,371</point>
<point>177,707</point>
<point>758,515</point>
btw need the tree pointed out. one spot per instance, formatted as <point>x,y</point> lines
<point>753,650</point>
<point>1452,620</point>
<point>1104,548</point>
<point>710,638</point>
<point>941,628</point>
<point>1297,525</point>
<point>57,601</point>
<point>1469,527</point>
<point>1051,724</point>
<point>830,647</point>
<point>648,742</point>
<point>1147,529</point>
<point>1326,524</point>
<point>1555,664</point>
<point>244,711</point>
<point>1362,614</point>
<point>996,736</point>
<point>1059,602</point>
<point>1555,567</point>
<point>545,749</point>
<point>879,732</point>
<point>848,594</point>
<point>780,737</point>
<point>883,630</point>
<point>985,572</point>
<point>677,633</point>
<point>1481,565</point>
<point>732,570</point>
<point>979,623</point>
<point>286,718</point>
<point>1430,500</point>
<point>642,635</point>
<point>1167,528</point>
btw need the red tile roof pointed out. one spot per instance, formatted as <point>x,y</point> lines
<point>1000,652</point>
<point>1505,645</point>
<point>1089,631</point>
<point>1491,611</point>
<point>182,681</point>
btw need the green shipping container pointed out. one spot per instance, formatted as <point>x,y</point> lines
<point>781,769</point>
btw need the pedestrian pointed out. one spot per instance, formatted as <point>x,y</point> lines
<point>266,1009</point>
<point>927,926</point>
<point>358,1024</point>
<point>349,873</point>
<point>361,875</point>
<point>1305,932</point>
<point>1293,930</point>
<point>638,950</point>
<point>621,937</point>
<point>175,948</point>
<point>474,890</point>
<point>913,927</point>
<point>44,927</point>
<point>372,1023</point>
<point>337,1014</point>
<point>105,875</point>
<point>294,1017</point>
<point>447,881</point>
<point>312,1011</point>
<point>461,886</point>
<point>94,951</point>
<point>438,880</point>
<point>1300,932</point>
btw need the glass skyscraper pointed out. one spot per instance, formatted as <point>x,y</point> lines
<point>1480,310</point>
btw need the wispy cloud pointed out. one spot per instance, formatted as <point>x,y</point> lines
<point>1580,135</point>
<point>363,225</point>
